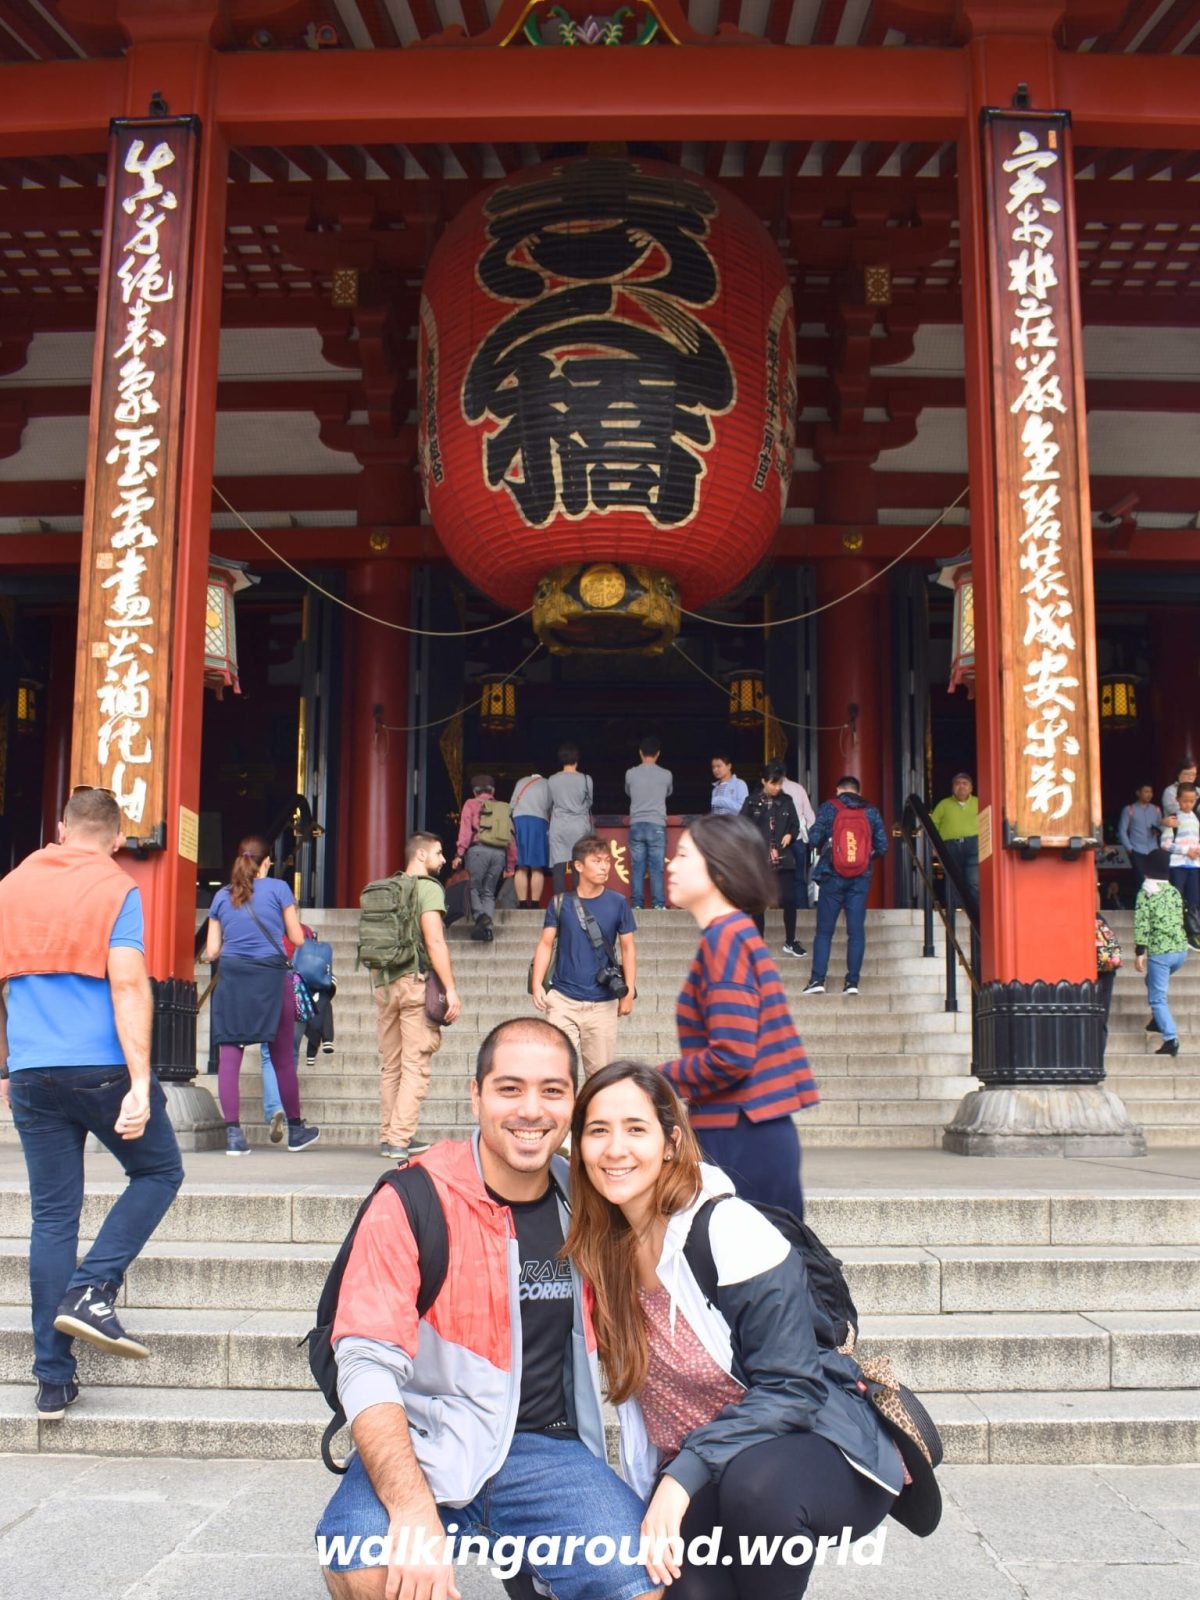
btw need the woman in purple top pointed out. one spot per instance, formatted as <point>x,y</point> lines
<point>252,1001</point>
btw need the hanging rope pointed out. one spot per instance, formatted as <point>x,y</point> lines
<point>801,727</point>
<point>803,616</point>
<point>440,722</point>
<point>384,622</point>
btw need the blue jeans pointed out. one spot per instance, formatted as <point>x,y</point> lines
<point>839,893</point>
<point>546,1487</point>
<point>55,1108</point>
<point>647,848</point>
<point>1158,976</point>
<point>271,1101</point>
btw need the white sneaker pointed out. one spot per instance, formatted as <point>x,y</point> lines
<point>814,986</point>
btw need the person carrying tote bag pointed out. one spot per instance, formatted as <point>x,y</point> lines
<point>253,1001</point>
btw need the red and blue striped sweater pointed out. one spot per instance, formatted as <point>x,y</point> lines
<point>739,1049</point>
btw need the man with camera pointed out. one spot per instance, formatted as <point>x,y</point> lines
<point>585,966</point>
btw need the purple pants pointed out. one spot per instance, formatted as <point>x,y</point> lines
<point>283,1059</point>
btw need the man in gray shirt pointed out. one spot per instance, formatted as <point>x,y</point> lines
<point>648,786</point>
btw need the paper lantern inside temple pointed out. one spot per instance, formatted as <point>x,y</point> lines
<point>607,366</point>
<point>225,579</point>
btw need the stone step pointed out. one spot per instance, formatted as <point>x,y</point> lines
<point>189,1348</point>
<point>884,1279</point>
<point>1023,1352</point>
<point>1015,1352</point>
<point>248,1211</point>
<point>1135,1427</point>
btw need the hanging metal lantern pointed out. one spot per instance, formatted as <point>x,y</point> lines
<point>962,655</point>
<point>27,705</point>
<point>747,699</point>
<point>607,414</point>
<point>498,705</point>
<point>1118,701</point>
<point>225,579</point>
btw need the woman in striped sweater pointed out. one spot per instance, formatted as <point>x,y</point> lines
<point>741,1068</point>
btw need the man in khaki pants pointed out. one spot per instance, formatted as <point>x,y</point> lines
<point>407,1038</point>
<point>576,998</point>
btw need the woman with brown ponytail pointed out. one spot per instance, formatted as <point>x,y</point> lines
<point>252,1002</point>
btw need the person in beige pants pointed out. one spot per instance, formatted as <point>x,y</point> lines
<point>408,1041</point>
<point>573,999</point>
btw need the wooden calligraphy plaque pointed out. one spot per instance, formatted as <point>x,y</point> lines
<point>1043,521</point>
<point>126,612</point>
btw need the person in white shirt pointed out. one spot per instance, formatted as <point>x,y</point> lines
<point>1170,795</point>
<point>1181,835</point>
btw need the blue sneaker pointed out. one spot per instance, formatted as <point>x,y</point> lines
<point>236,1143</point>
<point>301,1136</point>
<point>88,1314</point>
<point>54,1398</point>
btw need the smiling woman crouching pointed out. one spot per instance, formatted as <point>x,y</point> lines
<point>732,1415</point>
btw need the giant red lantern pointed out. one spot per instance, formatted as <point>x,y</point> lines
<point>607,365</point>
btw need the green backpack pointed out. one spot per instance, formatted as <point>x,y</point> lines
<point>495,824</point>
<point>389,927</point>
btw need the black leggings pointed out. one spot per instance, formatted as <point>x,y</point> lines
<point>798,1484</point>
<point>787,904</point>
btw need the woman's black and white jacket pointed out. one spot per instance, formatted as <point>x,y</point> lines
<point>762,1335</point>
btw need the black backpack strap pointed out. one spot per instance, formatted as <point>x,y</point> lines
<point>427,1219</point>
<point>697,1250</point>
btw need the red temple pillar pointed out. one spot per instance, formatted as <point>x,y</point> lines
<point>1038,1042</point>
<point>850,696</point>
<point>60,711</point>
<point>378,704</point>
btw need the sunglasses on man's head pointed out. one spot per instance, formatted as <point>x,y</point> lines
<point>92,788</point>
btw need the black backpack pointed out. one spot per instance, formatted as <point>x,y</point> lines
<point>835,1316</point>
<point>427,1220</point>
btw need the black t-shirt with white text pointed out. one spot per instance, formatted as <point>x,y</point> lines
<point>547,1314</point>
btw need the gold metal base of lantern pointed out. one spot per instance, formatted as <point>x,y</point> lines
<point>606,609</point>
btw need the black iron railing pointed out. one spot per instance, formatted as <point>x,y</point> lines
<point>928,851</point>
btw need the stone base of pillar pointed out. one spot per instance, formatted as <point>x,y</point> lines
<point>195,1116</point>
<point>1059,1120</point>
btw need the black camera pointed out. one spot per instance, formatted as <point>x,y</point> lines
<point>613,979</point>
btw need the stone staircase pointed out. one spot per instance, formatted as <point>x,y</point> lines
<point>1027,1315</point>
<point>1049,1311</point>
<point>892,1065</point>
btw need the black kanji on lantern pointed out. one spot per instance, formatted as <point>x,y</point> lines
<point>603,383</point>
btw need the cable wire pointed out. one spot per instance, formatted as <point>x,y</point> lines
<point>802,727</point>
<point>803,616</point>
<point>420,727</point>
<point>384,622</point>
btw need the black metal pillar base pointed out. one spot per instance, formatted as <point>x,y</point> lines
<point>1039,1056</point>
<point>173,1041</point>
<point>194,1113</point>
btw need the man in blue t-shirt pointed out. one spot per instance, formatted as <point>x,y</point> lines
<point>75,1033</point>
<point>579,997</point>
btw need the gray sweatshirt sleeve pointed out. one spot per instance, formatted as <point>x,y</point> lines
<point>370,1373</point>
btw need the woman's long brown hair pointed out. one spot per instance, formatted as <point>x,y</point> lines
<point>600,1241</point>
<point>252,852</point>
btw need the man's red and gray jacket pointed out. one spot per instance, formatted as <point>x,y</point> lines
<point>456,1372</point>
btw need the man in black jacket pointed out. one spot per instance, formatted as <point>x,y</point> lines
<point>849,834</point>
<point>773,812</point>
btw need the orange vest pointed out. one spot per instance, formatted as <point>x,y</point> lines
<point>57,911</point>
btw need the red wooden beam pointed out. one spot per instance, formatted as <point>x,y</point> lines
<point>1143,102</point>
<point>309,547</point>
<point>690,93</point>
<point>59,107</point>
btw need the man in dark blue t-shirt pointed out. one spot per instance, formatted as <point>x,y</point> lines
<point>575,997</point>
